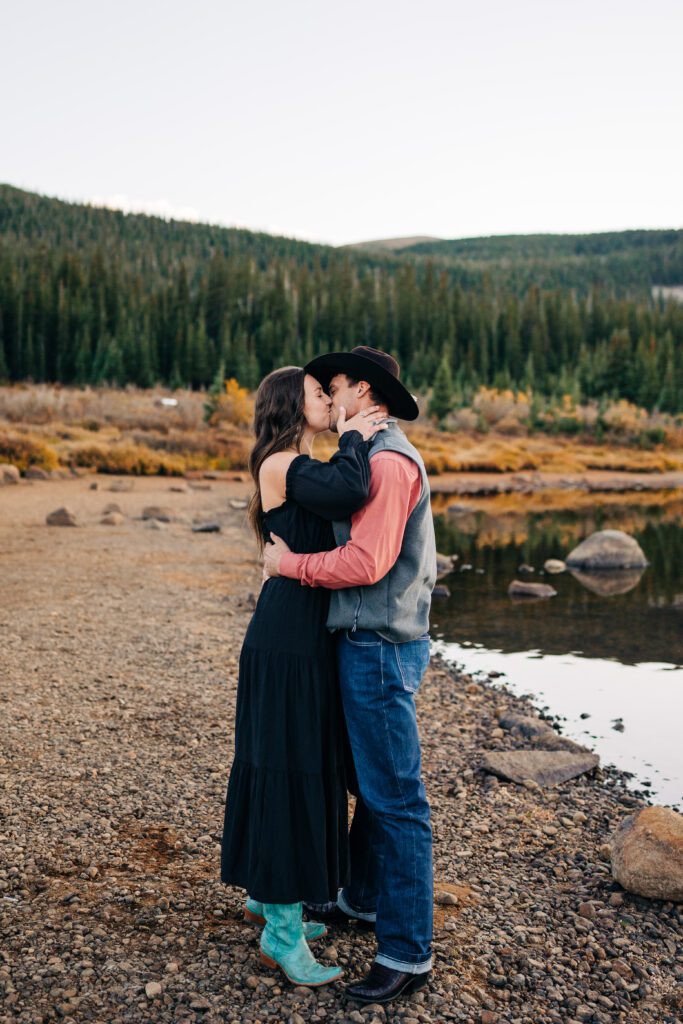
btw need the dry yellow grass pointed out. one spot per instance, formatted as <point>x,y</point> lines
<point>132,431</point>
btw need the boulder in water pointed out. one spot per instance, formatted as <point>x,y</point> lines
<point>518,588</point>
<point>554,565</point>
<point>607,549</point>
<point>444,564</point>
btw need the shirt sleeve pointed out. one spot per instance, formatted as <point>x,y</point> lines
<point>334,489</point>
<point>376,531</point>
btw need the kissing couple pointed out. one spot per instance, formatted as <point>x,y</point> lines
<point>330,664</point>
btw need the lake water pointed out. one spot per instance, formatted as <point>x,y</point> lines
<point>605,656</point>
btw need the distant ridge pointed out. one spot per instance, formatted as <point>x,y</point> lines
<point>391,244</point>
<point>631,262</point>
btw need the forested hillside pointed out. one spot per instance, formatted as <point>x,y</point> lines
<point>91,295</point>
<point>626,261</point>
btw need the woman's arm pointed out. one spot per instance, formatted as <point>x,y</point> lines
<point>334,489</point>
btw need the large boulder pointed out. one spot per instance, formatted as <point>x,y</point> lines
<point>647,853</point>
<point>36,473</point>
<point>544,767</point>
<point>8,474</point>
<point>61,517</point>
<point>607,549</point>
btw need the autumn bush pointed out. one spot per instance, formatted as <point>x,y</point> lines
<point>234,406</point>
<point>125,457</point>
<point>506,410</point>
<point>131,430</point>
<point>23,450</point>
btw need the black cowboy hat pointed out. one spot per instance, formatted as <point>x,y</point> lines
<point>379,369</point>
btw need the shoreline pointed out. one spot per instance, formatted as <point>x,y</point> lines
<point>591,481</point>
<point>120,651</point>
<point>466,483</point>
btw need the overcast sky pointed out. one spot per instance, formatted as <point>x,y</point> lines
<point>353,120</point>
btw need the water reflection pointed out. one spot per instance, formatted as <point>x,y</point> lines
<point>629,616</point>
<point>607,646</point>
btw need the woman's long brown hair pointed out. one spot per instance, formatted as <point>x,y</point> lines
<point>279,424</point>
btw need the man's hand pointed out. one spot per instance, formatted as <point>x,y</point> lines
<point>272,553</point>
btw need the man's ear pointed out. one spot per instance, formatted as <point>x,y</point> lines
<point>362,388</point>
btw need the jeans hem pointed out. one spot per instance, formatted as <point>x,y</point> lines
<point>401,965</point>
<point>362,915</point>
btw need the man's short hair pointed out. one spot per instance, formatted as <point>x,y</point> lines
<point>376,396</point>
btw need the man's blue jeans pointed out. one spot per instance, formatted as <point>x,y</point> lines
<point>391,835</point>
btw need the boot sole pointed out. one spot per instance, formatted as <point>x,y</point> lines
<point>413,985</point>
<point>267,962</point>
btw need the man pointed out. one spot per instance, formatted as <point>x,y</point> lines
<point>381,576</point>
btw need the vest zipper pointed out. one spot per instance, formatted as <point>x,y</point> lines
<point>358,608</point>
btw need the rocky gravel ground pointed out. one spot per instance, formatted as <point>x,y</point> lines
<point>118,657</point>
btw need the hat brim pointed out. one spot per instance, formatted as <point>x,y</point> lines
<point>399,400</point>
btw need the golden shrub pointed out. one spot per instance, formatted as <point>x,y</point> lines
<point>23,450</point>
<point>125,457</point>
<point>494,404</point>
<point>236,406</point>
<point>624,416</point>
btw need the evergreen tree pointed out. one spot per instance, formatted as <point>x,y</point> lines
<point>441,401</point>
<point>4,370</point>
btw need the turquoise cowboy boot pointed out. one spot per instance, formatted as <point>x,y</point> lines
<point>253,913</point>
<point>283,945</point>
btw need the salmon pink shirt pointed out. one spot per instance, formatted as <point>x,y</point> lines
<point>376,530</point>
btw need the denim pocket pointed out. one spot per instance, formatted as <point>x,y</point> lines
<point>412,658</point>
<point>363,638</point>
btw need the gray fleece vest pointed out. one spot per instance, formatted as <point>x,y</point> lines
<point>397,606</point>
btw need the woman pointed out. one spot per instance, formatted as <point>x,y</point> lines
<point>285,830</point>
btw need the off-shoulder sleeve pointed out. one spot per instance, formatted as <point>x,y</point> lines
<point>334,489</point>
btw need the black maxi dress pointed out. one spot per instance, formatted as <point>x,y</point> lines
<point>285,834</point>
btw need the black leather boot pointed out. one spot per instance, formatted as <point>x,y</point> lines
<point>336,916</point>
<point>382,985</point>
